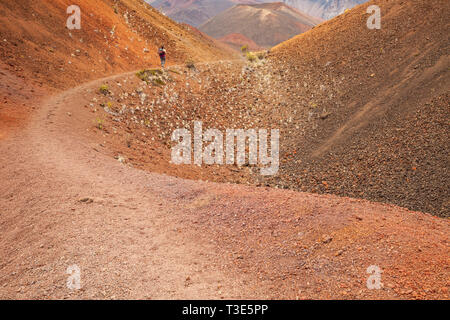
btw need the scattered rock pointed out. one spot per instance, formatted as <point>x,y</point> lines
<point>86,200</point>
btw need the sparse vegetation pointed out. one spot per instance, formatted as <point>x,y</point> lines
<point>158,82</point>
<point>104,89</point>
<point>255,56</point>
<point>261,55</point>
<point>154,76</point>
<point>141,74</point>
<point>251,57</point>
<point>99,124</point>
<point>145,73</point>
<point>155,72</point>
<point>244,49</point>
<point>109,106</point>
<point>148,75</point>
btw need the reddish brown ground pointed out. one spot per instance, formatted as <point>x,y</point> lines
<point>65,200</point>
<point>39,53</point>
<point>144,235</point>
<point>356,120</point>
<point>368,108</point>
<point>237,41</point>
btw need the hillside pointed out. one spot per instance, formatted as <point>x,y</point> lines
<point>266,24</point>
<point>237,41</point>
<point>324,9</point>
<point>195,12</point>
<point>38,51</point>
<point>368,106</point>
<point>88,179</point>
<point>125,34</point>
<point>360,111</point>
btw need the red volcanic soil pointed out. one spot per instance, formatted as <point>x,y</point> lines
<point>135,234</point>
<point>366,107</point>
<point>237,40</point>
<point>115,36</point>
<point>87,178</point>
<point>228,48</point>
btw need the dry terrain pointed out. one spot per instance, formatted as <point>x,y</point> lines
<point>195,12</point>
<point>324,9</point>
<point>87,179</point>
<point>266,24</point>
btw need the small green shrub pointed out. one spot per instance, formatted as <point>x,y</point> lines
<point>110,106</point>
<point>145,74</point>
<point>99,124</point>
<point>155,72</point>
<point>244,48</point>
<point>261,55</point>
<point>140,75</point>
<point>251,57</point>
<point>104,89</point>
<point>158,82</point>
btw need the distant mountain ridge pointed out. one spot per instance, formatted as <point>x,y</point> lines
<point>325,9</point>
<point>197,12</point>
<point>266,24</point>
<point>237,40</point>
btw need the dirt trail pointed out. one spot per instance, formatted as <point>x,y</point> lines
<point>126,241</point>
<point>136,234</point>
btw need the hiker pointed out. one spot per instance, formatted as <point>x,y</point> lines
<point>162,55</point>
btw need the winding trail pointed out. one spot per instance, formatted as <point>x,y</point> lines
<point>136,234</point>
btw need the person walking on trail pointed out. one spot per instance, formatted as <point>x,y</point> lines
<point>162,56</point>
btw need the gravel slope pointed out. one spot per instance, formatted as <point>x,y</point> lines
<point>143,235</point>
